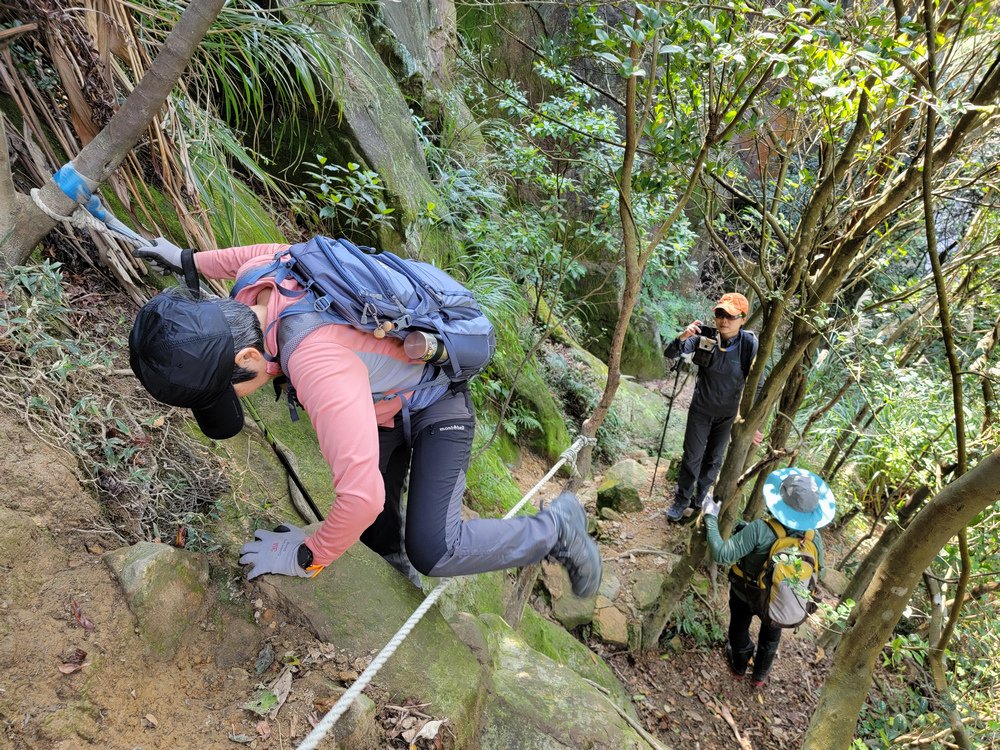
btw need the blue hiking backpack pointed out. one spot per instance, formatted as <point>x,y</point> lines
<point>383,294</point>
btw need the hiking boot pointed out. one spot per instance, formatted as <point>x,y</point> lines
<point>574,549</point>
<point>738,662</point>
<point>680,510</point>
<point>762,662</point>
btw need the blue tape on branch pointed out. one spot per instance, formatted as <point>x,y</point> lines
<point>72,183</point>
<point>96,209</point>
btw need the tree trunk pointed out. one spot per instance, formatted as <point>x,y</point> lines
<point>836,715</point>
<point>869,564</point>
<point>23,228</point>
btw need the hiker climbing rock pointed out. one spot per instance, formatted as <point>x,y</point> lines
<point>379,414</point>
<point>723,355</point>
<point>775,565</point>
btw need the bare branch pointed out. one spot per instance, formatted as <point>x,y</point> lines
<point>7,191</point>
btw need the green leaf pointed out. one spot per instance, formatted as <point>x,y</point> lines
<point>261,703</point>
<point>772,13</point>
<point>707,25</point>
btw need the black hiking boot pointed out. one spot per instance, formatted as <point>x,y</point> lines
<point>574,549</point>
<point>762,662</point>
<point>738,661</point>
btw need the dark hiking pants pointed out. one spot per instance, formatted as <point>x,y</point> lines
<point>429,533</point>
<point>705,441</point>
<point>740,643</point>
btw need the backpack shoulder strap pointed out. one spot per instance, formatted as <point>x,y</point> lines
<point>748,353</point>
<point>777,528</point>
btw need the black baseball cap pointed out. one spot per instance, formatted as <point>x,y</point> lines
<point>182,351</point>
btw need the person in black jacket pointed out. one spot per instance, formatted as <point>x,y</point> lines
<point>716,400</point>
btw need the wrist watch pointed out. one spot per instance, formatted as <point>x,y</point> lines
<point>304,557</point>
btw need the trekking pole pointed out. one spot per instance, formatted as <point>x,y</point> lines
<point>663,434</point>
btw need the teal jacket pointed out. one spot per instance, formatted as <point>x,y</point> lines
<point>749,546</point>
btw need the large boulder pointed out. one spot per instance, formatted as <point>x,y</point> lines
<point>554,642</point>
<point>165,589</point>
<point>622,486</point>
<point>358,603</point>
<point>539,704</point>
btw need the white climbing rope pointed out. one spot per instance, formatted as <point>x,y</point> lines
<point>83,219</point>
<point>340,707</point>
<point>79,218</point>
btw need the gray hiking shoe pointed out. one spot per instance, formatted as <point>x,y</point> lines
<point>680,510</point>
<point>574,549</point>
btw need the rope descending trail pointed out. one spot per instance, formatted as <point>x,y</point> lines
<point>340,707</point>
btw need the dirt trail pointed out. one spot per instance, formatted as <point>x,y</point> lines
<point>685,693</point>
<point>51,538</point>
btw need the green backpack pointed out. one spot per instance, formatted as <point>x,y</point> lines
<point>783,592</point>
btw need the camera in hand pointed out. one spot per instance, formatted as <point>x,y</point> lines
<point>708,342</point>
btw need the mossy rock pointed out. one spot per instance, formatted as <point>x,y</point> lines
<point>539,704</point>
<point>164,587</point>
<point>79,719</point>
<point>374,123</point>
<point>559,645</point>
<point>554,437</point>
<point>642,411</point>
<point>358,603</point>
<point>300,438</point>
<point>476,594</point>
<point>642,351</point>
<point>491,489</point>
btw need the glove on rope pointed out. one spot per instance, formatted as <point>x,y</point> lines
<point>167,257</point>
<point>282,551</point>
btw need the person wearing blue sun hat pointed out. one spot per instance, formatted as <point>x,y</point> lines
<point>800,502</point>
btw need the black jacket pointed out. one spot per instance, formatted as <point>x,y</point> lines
<point>719,386</point>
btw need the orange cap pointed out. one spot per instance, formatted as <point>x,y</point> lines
<point>733,303</point>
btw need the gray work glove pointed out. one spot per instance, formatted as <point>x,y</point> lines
<point>275,552</point>
<point>710,507</point>
<point>163,254</point>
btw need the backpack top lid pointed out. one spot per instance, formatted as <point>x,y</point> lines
<point>799,499</point>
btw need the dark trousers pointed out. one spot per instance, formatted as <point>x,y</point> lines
<point>741,645</point>
<point>705,441</point>
<point>430,535</point>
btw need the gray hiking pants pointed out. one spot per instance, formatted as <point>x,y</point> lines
<point>705,442</point>
<point>430,533</point>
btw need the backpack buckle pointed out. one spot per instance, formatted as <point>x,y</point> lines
<point>322,304</point>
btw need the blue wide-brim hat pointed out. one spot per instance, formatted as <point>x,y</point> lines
<point>806,502</point>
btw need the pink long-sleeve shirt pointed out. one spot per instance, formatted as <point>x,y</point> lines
<point>335,369</point>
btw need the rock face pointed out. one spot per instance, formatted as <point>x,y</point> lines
<point>165,589</point>
<point>358,603</point>
<point>621,487</point>
<point>538,704</point>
